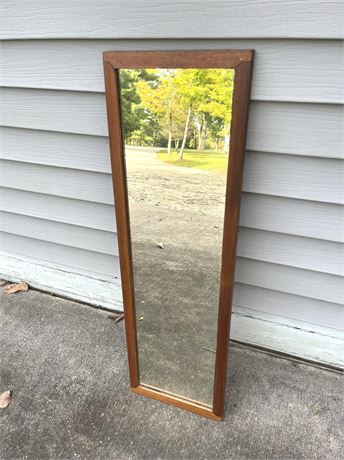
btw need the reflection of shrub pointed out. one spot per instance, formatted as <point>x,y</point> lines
<point>208,160</point>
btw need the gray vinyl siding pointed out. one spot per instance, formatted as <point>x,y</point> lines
<point>56,200</point>
<point>166,19</point>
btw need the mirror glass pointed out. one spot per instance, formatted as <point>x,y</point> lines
<point>176,130</point>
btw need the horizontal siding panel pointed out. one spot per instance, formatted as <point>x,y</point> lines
<point>285,215</point>
<point>265,173</point>
<point>301,129</point>
<point>262,212</point>
<point>78,260</point>
<point>60,233</point>
<point>315,285</point>
<point>70,183</point>
<point>77,151</point>
<point>67,111</point>
<point>295,251</point>
<point>62,280</point>
<point>163,18</point>
<point>76,212</point>
<point>305,253</point>
<point>318,179</point>
<point>323,347</point>
<point>312,312</point>
<point>284,70</point>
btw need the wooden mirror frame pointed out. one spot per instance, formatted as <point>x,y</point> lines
<point>241,61</point>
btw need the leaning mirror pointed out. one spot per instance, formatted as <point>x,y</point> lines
<point>177,126</point>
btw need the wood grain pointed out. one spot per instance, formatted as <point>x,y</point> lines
<point>175,400</point>
<point>238,130</point>
<point>120,191</point>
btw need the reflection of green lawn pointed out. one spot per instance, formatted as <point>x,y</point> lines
<point>197,159</point>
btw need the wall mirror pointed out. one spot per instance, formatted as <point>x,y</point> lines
<point>177,126</point>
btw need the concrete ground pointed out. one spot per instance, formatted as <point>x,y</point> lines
<point>66,364</point>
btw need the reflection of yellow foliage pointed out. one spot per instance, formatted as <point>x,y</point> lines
<point>163,98</point>
<point>173,93</point>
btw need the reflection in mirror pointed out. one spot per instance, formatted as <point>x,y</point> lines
<point>176,129</point>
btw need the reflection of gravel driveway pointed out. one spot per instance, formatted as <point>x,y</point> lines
<point>176,287</point>
<point>175,187</point>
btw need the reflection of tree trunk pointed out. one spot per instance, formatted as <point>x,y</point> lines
<point>195,134</point>
<point>226,144</point>
<point>185,134</point>
<point>203,133</point>
<point>169,135</point>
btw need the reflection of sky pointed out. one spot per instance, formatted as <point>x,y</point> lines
<point>163,72</point>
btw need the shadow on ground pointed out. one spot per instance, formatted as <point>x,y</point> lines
<point>66,365</point>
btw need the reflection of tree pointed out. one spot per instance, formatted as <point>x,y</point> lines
<point>162,98</point>
<point>190,107</point>
<point>135,118</point>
